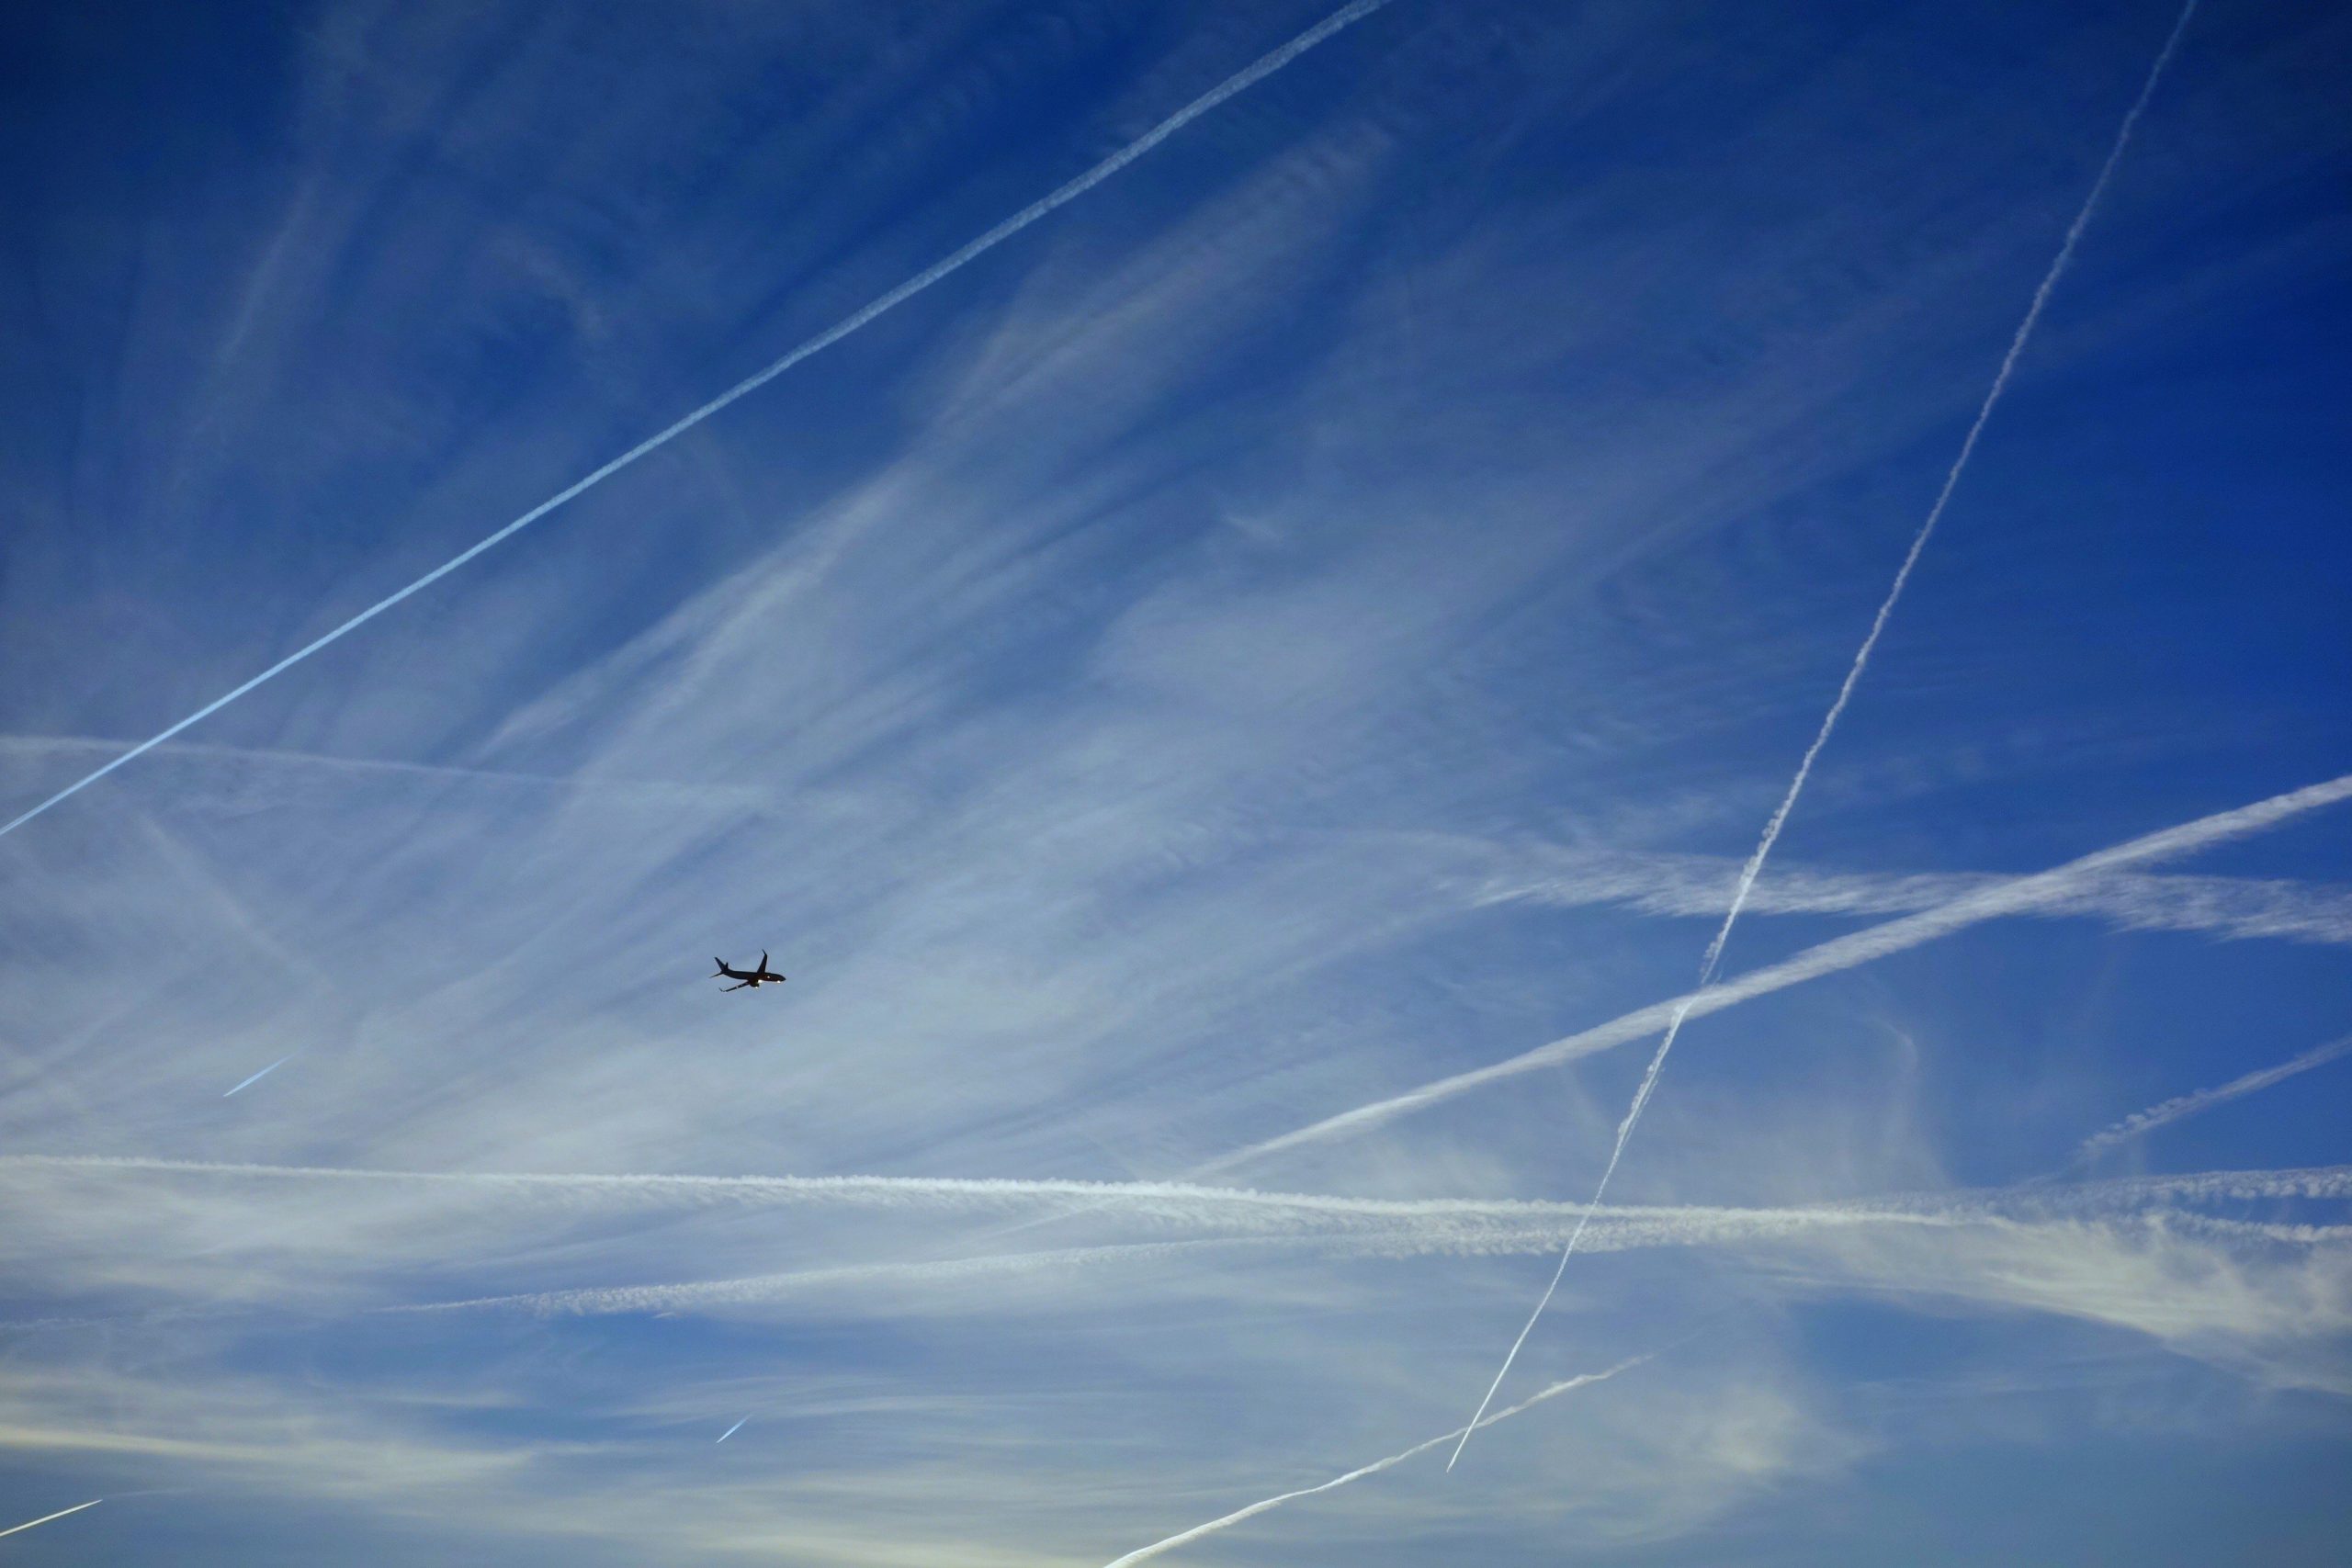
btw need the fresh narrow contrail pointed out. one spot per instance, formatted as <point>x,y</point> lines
<point>2189,1105</point>
<point>263,1072</point>
<point>1853,677</point>
<point>1265,66</point>
<point>732,1430</point>
<point>59,1515</point>
<point>1374,1467</point>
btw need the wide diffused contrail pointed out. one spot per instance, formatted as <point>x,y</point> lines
<point>263,1072</point>
<point>1374,1467</point>
<point>732,1430</point>
<point>2015,896</point>
<point>1780,818</point>
<point>2189,1105</point>
<point>1356,1229</point>
<point>1265,66</point>
<point>59,1515</point>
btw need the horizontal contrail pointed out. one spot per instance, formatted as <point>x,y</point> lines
<point>263,1072</point>
<point>1187,1202</point>
<point>1157,1199</point>
<point>732,1430</point>
<point>2187,1105</point>
<point>1374,1467</point>
<point>2232,908</point>
<point>1265,66</point>
<point>598,1301</point>
<point>1620,1229</point>
<point>1356,1228</point>
<point>59,1515</point>
<point>2015,896</point>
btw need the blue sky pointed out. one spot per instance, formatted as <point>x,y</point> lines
<point>1323,612</point>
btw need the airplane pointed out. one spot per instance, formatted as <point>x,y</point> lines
<point>754,977</point>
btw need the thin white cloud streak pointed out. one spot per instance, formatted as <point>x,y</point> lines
<point>2237,908</point>
<point>1264,66</point>
<point>2233,908</point>
<point>1622,1230</point>
<point>602,1300</point>
<point>2326,1182</point>
<point>45,1518</point>
<point>1316,1226</point>
<point>2182,1107</point>
<point>665,794</point>
<point>263,1073</point>
<point>882,1191</point>
<point>2016,896</point>
<point>1197,1202</point>
<point>1780,818</point>
<point>1566,1385</point>
<point>731,1430</point>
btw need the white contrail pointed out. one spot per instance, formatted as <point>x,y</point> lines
<point>2189,1105</point>
<point>1467,1222</point>
<point>263,1072</point>
<point>1265,66</point>
<point>1376,1229</point>
<point>1374,1467</point>
<point>1156,1199</point>
<point>2231,907</point>
<point>59,1515</point>
<point>2015,896</point>
<point>2018,1210</point>
<point>1748,875</point>
<point>1196,1204</point>
<point>732,1430</point>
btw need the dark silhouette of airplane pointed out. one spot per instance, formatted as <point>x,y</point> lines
<point>762,975</point>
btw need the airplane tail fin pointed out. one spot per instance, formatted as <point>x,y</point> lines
<point>720,970</point>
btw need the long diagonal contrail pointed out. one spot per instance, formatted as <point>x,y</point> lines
<point>59,1515</point>
<point>1375,1467</point>
<point>1264,66</point>
<point>1853,677</point>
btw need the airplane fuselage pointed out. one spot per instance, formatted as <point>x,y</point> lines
<point>761,975</point>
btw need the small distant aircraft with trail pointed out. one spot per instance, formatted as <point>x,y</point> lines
<point>761,975</point>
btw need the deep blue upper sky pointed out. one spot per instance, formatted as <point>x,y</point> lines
<point>1324,612</point>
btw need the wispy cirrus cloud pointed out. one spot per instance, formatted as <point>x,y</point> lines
<point>1283,631</point>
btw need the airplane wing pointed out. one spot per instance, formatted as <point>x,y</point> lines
<point>737,986</point>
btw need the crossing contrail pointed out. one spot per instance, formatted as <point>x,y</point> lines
<point>59,1515</point>
<point>263,1072</point>
<point>1374,1467</point>
<point>1780,818</point>
<point>2013,896</point>
<point>1264,66</point>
